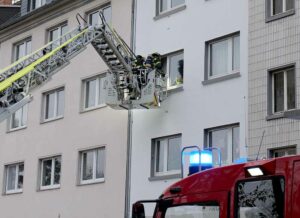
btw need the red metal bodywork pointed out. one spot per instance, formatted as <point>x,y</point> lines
<point>218,185</point>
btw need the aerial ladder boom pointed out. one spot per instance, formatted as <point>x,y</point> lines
<point>126,87</point>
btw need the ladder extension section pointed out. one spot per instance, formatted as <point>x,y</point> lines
<point>124,89</point>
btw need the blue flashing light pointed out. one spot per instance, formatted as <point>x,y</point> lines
<point>206,158</point>
<point>194,158</point>
<point>241,160</point>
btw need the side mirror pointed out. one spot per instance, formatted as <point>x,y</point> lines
<point>138,210</point>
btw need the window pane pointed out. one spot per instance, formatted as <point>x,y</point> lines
<point>291,89</point>
<point>16,119</point>
<point>46,168</point>
<point>219,58</point>
<point>236,143</point>
<point>57,170</point>
<point>175,3</point>
<point>107,15</point>
<point>24,115</point>
<point>163,5</point>
<point>193,211</point>
<point>90,96</point>
<point>87,165</point>
<point>174,154</point>
<point>258,198</point>
<point>176,69</point>
<point>64,30</point>
<point>219,138</point>
<point>60,102</point>
<point>236,53</point>
<point>289,4</point>
<point>21,51</point>
<point>50,101</point>
<point>100,163</point>
<point>101,99</point>
<point>278,92</point>
<point>94,19</point>
<point>20,176</point>
<point>28,47</point>
<point>11,178</point>
<point>54,34</point>
<point>159,156</point>
<point>277,6</point>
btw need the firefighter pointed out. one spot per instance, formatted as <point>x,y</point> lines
<point>156,61</point>
<point>138,64</point>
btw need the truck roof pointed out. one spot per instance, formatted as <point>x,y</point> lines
<point>225,178</point>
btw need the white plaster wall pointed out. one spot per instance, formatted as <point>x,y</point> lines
<point>67,136</point>
<point>196,107</point>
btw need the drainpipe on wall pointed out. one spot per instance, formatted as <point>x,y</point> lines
<point>129,127</point>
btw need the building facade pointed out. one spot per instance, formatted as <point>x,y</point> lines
<point>64,154</point>
<point>204,46</point>
<point>274,78</point>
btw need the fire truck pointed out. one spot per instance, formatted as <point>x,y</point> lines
<point>264,188</point>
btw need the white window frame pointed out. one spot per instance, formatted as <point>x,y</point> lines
<point>168,63</point>
<point>11,120</point>
<point>165,171</point>
<point>52,185</point>
<point>229,142</point>
<point>94,179</point>
<point>169,6</point>
<point>283,7</point>
<point>55,117</point>
<point>97,11</point>
<point>230,54</point>
<point>98,79</point>
<point>285,85</point>
<point>18,44</point>
<point>282,149</point>
<point>16,190</point>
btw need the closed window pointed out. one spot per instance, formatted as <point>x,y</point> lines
<point>283,90</point>
<point>50,172</point>
<point>53,104</point>
<point>173,65</point>
<point>282,152</point>
<point>55,33</point>
<point>223,56</point>
<point>281,6</point>
<point>19,118</point>
<point>94,18</point>
<point>93,93</point>
<point>34,4</point>
<point>22,49</point>
<point>92,164</point>
<point>166,5</point>
<point>14,178</point>
<point>227,139</point>
<point>166,155</point>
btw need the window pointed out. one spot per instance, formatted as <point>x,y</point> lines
<point>94,93</point>
<point>223,56</point>
<point>22,49</point>
<point>34,4</point>
<point>283,90</point>
<point>280,6</point>
<point>173,64</point>
<point>53,104</point>
<point>56,32</point>
<point>18,119</point>
<point>50,173</point>
<point>14,178</point>
<point>227,139</point>
<point>260,198</point>
<point>92,165</point>
<point>167,5</point>
<point>166,155</point>
<point>281,152</point>
<point>94,18</point>
<point>201,211</point>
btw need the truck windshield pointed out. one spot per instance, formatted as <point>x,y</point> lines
<point>192,211</point>
<point>261,198</point>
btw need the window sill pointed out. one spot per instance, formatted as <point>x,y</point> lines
<point>13,192</point>
<point>91,182</point>
<point>293,114</point>
<point>165,177</point>
<point>280,16</point>
<point>46,188</point>
<point>51,120</point>
<point>170,12</point>
<point>16,129</point>
<point>93,108</point>
<point>221,78</point>
<point>176,88</point>
<point>275,116</point>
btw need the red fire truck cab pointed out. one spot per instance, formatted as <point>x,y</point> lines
<point>266,188</point>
